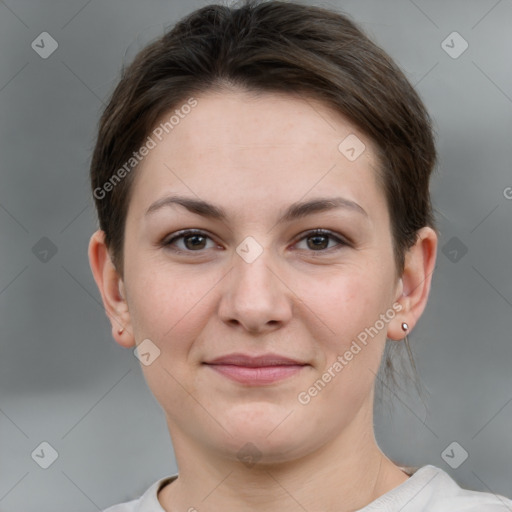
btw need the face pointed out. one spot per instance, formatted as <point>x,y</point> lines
<point>257,282</point>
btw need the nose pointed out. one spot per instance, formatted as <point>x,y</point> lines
<point>255,296</point>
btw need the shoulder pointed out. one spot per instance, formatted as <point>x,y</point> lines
<point>129,506</point>
<point>430,489</point>
<point>148,502</point>
<point>437,491</point>
<point>453,498</point>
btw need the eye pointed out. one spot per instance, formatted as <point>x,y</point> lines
<point>194,240</point>
<point>320,240</point>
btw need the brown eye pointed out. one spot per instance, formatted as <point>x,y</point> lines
<point>318,240</point>
<point>193,241</point>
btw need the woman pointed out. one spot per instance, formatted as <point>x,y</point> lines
<point>261,177</point>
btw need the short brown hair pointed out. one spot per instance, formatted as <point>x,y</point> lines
<point>272,46</point>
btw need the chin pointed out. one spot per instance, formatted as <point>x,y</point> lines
<point>249,449</point>
<point>257,418</point>
<point>271,429</point>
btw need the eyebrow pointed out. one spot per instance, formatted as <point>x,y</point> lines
<point>294,211</point>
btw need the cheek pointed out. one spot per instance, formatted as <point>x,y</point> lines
<point>171,309</point>
<point>351,305</point>
<point>348,303</point>
<point>170,306</point>
<point>350,357</point>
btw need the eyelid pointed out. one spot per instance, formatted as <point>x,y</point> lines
<point>166,243</point>
<point>342,241</point>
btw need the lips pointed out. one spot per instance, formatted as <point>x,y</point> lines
<point>255,361</point>
<point>256,370</point>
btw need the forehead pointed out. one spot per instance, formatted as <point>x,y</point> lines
<point>271,147</point>
<point>266,120</point>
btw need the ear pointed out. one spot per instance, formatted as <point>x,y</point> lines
<point>112,289</point>
<point>414,286</point>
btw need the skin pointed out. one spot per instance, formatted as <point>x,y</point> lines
<point>254,156</point>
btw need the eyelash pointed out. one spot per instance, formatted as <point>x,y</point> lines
<point>315,232</point>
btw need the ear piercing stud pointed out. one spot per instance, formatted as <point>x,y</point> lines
<point>120,331</point>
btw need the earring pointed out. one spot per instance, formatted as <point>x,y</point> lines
<point>120,331</point>
<point>405,327</point>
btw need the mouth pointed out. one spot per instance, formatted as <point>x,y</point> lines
<point>256,370</point>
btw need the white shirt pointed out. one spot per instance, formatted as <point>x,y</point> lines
<point>429,489</point>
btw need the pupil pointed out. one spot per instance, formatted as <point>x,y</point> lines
<point>196,237</point>
<point>317,237</point>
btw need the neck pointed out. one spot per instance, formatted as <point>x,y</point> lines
<point>344,475</point>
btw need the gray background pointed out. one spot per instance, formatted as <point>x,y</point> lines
<point>65,381</point>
